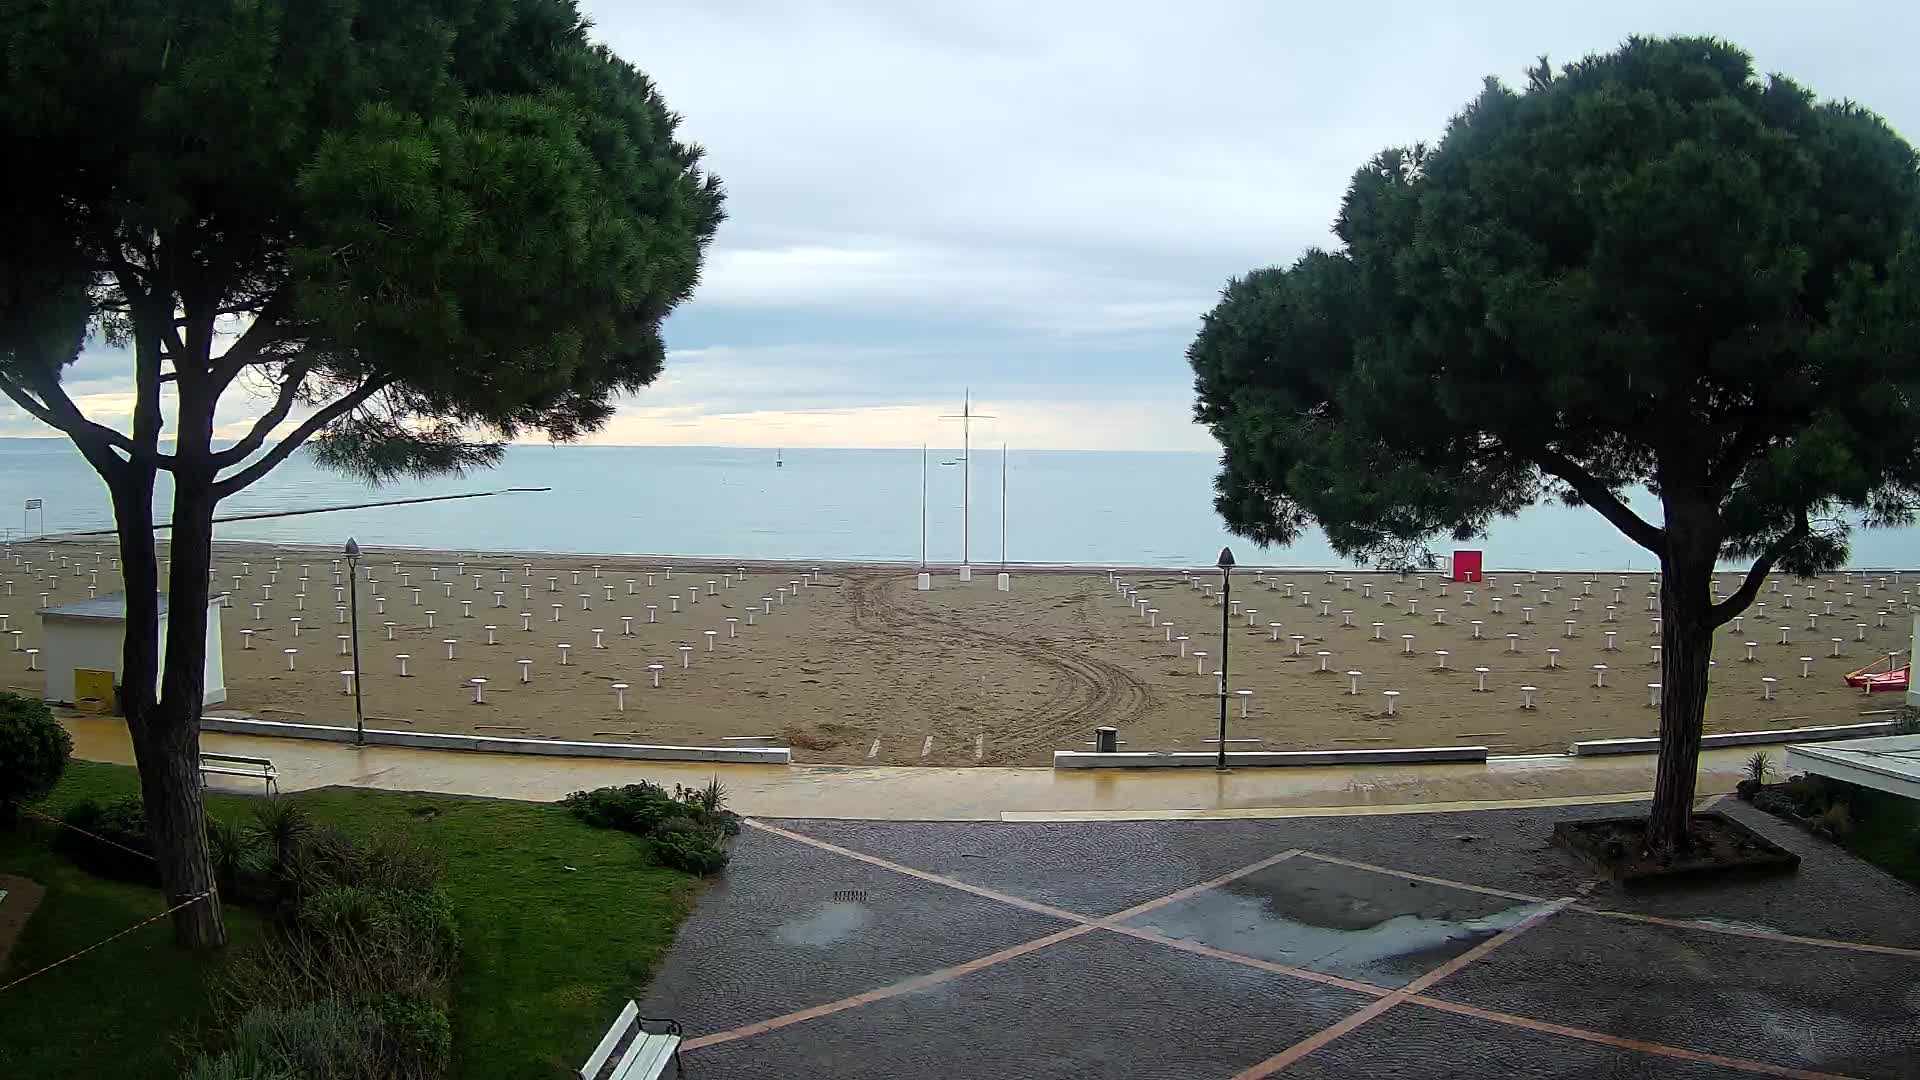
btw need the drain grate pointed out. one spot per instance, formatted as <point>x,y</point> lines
<point>850,896</point>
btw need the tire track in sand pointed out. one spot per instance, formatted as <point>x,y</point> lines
<point>1099,691</point>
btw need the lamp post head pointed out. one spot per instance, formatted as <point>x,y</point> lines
<point>1226,559</point>
<point>353,548</point>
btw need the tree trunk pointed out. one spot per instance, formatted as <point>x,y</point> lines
<point>175,806</point>
<point>1686,647</point>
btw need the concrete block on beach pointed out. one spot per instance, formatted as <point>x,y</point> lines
<point>1089,759</point>
<point>431,740</point>
<point>1592,747</point>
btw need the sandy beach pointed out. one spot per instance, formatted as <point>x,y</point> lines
<point>858,666</point>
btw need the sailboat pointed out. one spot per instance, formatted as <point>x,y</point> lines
<point>777,462</point>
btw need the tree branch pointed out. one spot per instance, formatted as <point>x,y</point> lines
<point>258,335</point>
<point>294,375</point>
<point>1601,498</point>
<point>1723,612</point>
<point>285,447</point>
<point>59,412</point>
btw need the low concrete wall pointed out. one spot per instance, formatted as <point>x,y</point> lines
<point>1087,759</point>
<point>431,740</point>
<point>1736,738</point>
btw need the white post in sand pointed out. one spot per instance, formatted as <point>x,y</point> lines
<point>1004,582</point>
<point>923,582</point>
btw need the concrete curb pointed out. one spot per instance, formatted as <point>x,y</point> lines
<point>1735,738</point>
<point>432,740</point>
<point>1088,759</point>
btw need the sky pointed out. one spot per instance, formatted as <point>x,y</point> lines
<point>1037,201</point>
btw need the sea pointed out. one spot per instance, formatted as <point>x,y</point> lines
<point>1026,506</point>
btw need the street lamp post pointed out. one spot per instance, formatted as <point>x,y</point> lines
<point>1226,607</point>
<point>353,605</point>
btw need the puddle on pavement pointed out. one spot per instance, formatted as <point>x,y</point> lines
<point>1347,936</point>
<point>830,924</point>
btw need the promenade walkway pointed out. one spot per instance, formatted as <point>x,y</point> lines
<point>952,794</point>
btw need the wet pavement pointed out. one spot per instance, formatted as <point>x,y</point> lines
<point>1436,945</point>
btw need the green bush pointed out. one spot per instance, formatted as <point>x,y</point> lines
<point>1778,803</point>
<point>326,1040</point>
<point>237,859</point>
<point>34,749</point>
<point>634,808</point>
<point>324,858</point>
<point>685,844</point>
<point>416,1040</point>
<point>109,839</point>
<point>279,825</point>
<point>686,830</point>
<point>351,940</point>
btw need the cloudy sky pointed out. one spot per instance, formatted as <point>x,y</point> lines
<point>1038,200</point>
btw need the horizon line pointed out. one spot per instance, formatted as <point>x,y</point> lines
<point>732,446</point>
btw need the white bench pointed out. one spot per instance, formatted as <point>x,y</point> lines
<point>628,1051</point>
<point>257,768</point>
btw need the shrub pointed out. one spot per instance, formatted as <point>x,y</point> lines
<point>324,858</point>
<point>416,1040</point>
<point>1906,720</point>
<point>350,941</point>
<point>1778,803</point>
<point>236,857</point>
<point>109,839</point>
<point>686,830</point>
<point>1758,766</point>
<point>688,845</point>
<point>634,808</point>
<point>325,1040</point>
<point>710,803</point>
<point>34,749</point>
<point>280,824</point>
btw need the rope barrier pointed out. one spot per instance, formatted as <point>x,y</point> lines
<point>56,821</point>
<point>144,922</point>
<point>189,901</point>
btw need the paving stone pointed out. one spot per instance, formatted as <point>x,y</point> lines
<point>1338,920</point>
<point>1095,870</point>
<point>1832,895</point>
<point>768,937</point>
<point>1410,1041</point>
<point>1793,1005</point>
<point>1100,1005</point>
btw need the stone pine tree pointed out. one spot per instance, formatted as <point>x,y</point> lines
<point>1649,269</point>
<point>404,232</point>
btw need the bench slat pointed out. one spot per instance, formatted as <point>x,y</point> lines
<point>628,1017</point>
<point>647,1058</point>
<point>237,759</point>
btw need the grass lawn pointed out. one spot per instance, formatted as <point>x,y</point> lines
<point>560,924</point>
<point>1886,832</point>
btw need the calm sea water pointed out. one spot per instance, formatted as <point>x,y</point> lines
<point>1061,506</point>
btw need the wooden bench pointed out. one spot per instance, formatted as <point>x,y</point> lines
<point>257,768</point>
<point>628,1051</point>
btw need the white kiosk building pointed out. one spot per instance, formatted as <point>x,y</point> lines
<point>86,636</point>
